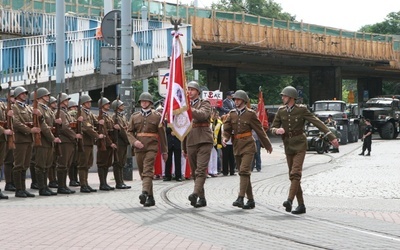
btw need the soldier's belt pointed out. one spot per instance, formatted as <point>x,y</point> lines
<point>29,124</point>
<point>147,134</point>
<point>203,124</point>
<point>292,133</point>
<point>242,135</point>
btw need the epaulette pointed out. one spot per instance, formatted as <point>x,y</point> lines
<point>301,105</point>
<point>155,112</point>
<point>281,107</point>
<point>232,110</point>
<point>251,110</point>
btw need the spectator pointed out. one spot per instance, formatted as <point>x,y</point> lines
<point>228,104</point>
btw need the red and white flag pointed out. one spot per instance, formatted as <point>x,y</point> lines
<point>261,114</point>
<point>177,106</point>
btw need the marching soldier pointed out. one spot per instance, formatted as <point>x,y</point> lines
<point>52,173</point>
<point>104,158</point>
<point>68,140</point>
<point>198,143</point>
<point>44,153</point>
<point>144,133</point>
<point>85,158</point>
<point>289,123</point>
<point>9,156</point>
<point>73,170</point>
<point>239,125</point>
<point>24,129</point>
<point>123,143</point>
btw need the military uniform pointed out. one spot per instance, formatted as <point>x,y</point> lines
<point>145,127</point>
<point>123,143</point>
<point>239,125</point>
<point>85,158</point>
<point>67,147</point>
<point>197,146</point>
<point>293,119</point>
<point>104,158</point>
<point>73,170</point>
<point>3,144</point>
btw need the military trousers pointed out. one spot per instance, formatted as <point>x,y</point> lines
<point>295,164</point>
<point>3,148</point>
<point>244,163</point>
<point>122,152</point>
<point>65,160</point>
<point>22,156</point>
<point>104,158</point>
<point>199,156</point>
<point>44,157</point>
<point>85,158</point>
<point>145,161</point>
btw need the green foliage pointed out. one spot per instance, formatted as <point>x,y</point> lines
<point>391,25</point>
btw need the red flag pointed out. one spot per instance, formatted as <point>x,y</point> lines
<point>177,109</point>
<point>261,114</point>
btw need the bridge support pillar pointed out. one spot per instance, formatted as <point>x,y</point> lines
<point>325,83</point>
<point>368,88</point>
<point>225,76</point>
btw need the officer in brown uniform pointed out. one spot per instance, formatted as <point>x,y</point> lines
<point>104,158</point>
<point>52,173</point>
<point>198,143</point>
<point>44,152</point>
<point>123,143</point>
<point>4,131</point>
<point>73,170</point>
<point>85,158</point>
<point>289,122</point>
<point>23,128</point>
<point>239,124</point>
<point>68,140</point>
<point>9,158</point>
<point>144,133</point>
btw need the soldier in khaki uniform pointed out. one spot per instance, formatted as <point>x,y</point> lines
<point>9,157</point>
<point>144,133</point>
<point>198,143</point>
<point>23,128</point>
<point>104,158</point>
<point>73,170</point>
<point>85,158</point>
<point>289,123</point>
<point>68,140</point>
<point>239,124</point>
<point>44,153</point>
<point>52,173</point>
<point>123,143</point>
<point>4,131</point>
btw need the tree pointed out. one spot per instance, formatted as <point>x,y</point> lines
<point>391,25</point>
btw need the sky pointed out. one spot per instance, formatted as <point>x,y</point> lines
<point>342,14</point>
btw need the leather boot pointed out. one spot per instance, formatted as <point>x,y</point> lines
<point>238,202</point>
<point>143,197</point>
<point>250,204</point>
<point>92,190</point>
<point>102,178</point>
<point>62,179</point>
<point>84,187</point>
<point>2,196</point>
<point>53,184</point>
<point>105,179</point>
<point>10,187</point>
<point>40,179</point>
<point>52,175</point>
<point>288,205</point>
<point>45,174</point>
<point>23,178</point>
<point>193,199</point>
<point>18,185</point>
<point>73,175</point>
<point>121,173</point>
<point>300,209</point>
<point>34,184</point>
<point>150,201</point>
<point>201,203</point>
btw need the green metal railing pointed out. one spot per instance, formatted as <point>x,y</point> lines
<point>162,11</point>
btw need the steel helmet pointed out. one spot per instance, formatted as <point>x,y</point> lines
<point>20,90</point>
<point>72,103</point>
<point>114,104</point>
<point>103,101</point>
<point>12,93</point>
<point>240,94</point>
<point>290,91</point>
<point>64,97</point>
<point>146,96</point>
<point>32,96</point>
<point>85,98</point>
<point>40,92</point>
<point>195,85</point>
<point>52,99</point>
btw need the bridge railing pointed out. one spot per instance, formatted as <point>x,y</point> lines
<point>23,58</point>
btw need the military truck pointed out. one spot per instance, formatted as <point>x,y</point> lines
<point>383,112</point>
<point>347,125</point>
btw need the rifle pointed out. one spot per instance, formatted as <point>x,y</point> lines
<point>101,142</point>
<point>57,127</point>
<point>79,123</point>
<point>10,138</point>
<point>116,134</point>
<point>37,137</point>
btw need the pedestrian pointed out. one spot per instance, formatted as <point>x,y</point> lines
<point>145,133</point>
<point>198,143</point>
<point>227,104</point>
<point>239,124</point>
<point>367,138</point>
<point>289,123</point>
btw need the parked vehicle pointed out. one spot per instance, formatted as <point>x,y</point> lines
<point>383,112</point>
<point>316,140</point>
